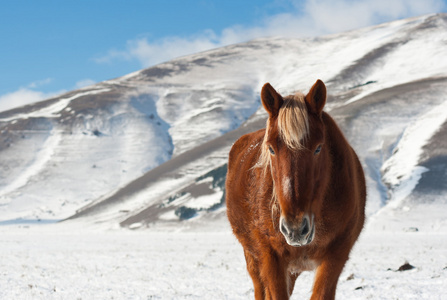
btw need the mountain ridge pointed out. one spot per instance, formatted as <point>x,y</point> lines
<point>113,134</point>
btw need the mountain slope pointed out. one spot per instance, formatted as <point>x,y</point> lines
<point>151,147</point>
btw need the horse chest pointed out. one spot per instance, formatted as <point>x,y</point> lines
<point>301,264</point>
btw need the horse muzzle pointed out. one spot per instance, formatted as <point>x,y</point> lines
<point>298,235</point>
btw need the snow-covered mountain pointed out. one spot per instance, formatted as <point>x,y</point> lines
<point>150,148</point>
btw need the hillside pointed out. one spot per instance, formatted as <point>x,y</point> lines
<point>116,190</point>
<point>150,148</point>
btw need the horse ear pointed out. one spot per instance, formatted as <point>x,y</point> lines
<point>271,100</point>
<point>316,98</point>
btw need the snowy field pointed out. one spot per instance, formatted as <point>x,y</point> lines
<point>85,156</point>
<point>76,261</point>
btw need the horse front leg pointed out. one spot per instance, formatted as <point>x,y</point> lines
<point>273,275</point>
<point>253,270</point>
<point>326,279</point>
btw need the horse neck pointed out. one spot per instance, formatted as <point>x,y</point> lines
<point>335,138</point>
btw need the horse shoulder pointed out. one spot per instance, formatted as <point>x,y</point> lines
<point>242,157</point>
<point>244,149</point>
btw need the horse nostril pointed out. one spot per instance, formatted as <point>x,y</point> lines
<point>305,227</point>
<point>284,229</point>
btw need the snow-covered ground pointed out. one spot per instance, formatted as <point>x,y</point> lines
<point>72,261</point>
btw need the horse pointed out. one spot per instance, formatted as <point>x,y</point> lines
<point>295,195</point>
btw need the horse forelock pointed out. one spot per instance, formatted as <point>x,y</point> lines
<point>293,127</point>
<point>293,121</point>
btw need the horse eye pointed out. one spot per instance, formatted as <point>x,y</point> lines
<point>272,152</point>
<point>318,150</point>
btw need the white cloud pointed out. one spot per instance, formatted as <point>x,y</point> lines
<point>83,83</point>
<point>334,16</point>
<point>318,17</point>
<point>26,95</point>
<point>23,96</point>
<point>29,94</point>
<point>40,83</point>
<point>309,18</point>
<point>149,53</point>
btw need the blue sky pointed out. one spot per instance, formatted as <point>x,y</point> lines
<point>50,47</point>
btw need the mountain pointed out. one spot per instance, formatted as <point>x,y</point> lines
<point>150,148</point>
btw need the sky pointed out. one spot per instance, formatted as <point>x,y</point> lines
<point>49,47</point>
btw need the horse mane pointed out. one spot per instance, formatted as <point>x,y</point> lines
<point>293,126</point>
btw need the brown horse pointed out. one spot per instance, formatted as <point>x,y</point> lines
<point>295,195</point>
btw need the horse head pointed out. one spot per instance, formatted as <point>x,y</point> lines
<point>295,154</point>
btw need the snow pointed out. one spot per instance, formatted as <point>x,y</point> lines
<point>192,110</point>
<point>52,111</point>
<point>401,171</point>
<point>204,202</point>
<point>68,169</point>
<point>74,261</point>
<point>161,188</point>
<point>168,216</point>
<point>42,157</point>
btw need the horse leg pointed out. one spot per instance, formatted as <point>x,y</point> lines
<point>274,276</point>
<point>326,279</point>
<point>291,283</point>
<point>253,270</point>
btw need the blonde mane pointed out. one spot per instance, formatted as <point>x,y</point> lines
<point>293,126</point>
